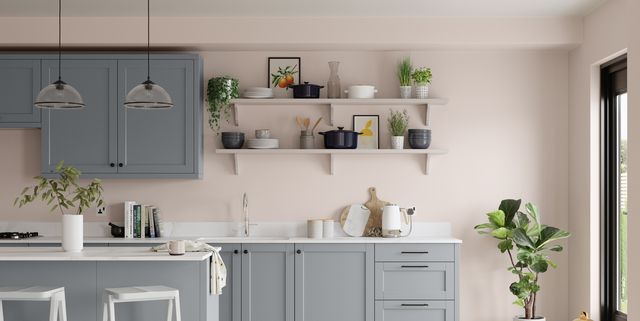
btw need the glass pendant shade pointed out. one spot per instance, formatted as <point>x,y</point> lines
<point>148,95</point>
<point>59,95</point>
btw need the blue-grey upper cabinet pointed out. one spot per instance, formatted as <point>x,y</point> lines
<point>334,282</point>
<point>19,86</point>
<point>85,138</point>
<point>162,142</point>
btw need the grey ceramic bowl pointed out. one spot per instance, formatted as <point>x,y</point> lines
<point>232,140</point>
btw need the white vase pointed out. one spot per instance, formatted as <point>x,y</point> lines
<point>72,232</point>
<point>516,318</point>
<point>422,91</point>
<point>397,142</point>
<point>405,92</point>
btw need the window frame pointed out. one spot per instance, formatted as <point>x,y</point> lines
<point>609,186</point>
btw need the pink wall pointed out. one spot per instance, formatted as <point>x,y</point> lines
<point>505,128</point>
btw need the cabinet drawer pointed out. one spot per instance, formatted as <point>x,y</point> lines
<point>414,311</point>
<point>414,281</point>
<point>415,252</point>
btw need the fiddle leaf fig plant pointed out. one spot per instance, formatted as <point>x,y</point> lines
<point>527,243</point>
<point>63,193</point>
<point>220,92</point>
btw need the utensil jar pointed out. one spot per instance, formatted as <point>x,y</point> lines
<point>306,140</point>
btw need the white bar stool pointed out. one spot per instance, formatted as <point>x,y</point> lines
<point>138,294</point>
<point>56,297</point>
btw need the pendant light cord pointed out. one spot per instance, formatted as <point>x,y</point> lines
<point>59,40</point>
<point>148,39</point>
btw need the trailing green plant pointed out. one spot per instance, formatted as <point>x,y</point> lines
<point>528,243</point>
<point>220,92</point>
<point>404,71</point>
<point>398,122</point>
<point>64,191</point>
<point>422,76</point>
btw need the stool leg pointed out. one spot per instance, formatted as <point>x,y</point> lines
<point>176,301</point>
<point>53,308</point>
<point>105,307</point>
<point>1,312</point>
<point>63,307</point>
<point>170,310</point>
<point>112,309</point>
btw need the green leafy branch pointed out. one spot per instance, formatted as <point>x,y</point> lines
<point>220,92</point>
<point>63,193</point>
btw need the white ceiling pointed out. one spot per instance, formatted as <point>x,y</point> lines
<point>311,8</point>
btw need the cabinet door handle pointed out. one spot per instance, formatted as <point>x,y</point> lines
<point>120,165</point>
<point>112,164</point>
<point>414,304</point>
<point>414,252</point>
<point>299,251</point>
<point>414,266</point>
<point>245,251</point>
<point>235,251</point>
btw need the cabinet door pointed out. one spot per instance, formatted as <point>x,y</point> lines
<point>158,141</point>
<point>19,86</point>
<point>267,282</point>
<point>231,299</point>
<point>85,138</point>
<point>414,311</point>
<point>334,282</point>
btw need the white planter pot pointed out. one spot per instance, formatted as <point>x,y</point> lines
<point>523,319</point>
<point>72,232</point>
<point>422,91</point>
<point>405,92</point>
<point>397,142</point>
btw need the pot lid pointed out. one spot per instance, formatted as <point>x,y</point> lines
<point>305,84</point>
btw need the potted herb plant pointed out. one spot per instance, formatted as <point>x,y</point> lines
<point>64,194</point>
<point>398,123</point>
<point>220,92</point>
<point>422,78</point>
<point>404,76</point>
<point>527,243</point>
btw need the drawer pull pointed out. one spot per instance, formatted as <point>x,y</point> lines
<point>414,266</point>
<point>414,304</point>
<point>414,252</point>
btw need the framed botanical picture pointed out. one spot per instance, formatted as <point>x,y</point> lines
<point>284,71</point>
<point>369,126</point>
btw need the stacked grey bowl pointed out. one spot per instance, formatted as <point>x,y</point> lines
<point>232,140</point>
<point>419,138</point>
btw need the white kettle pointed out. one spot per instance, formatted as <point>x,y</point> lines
<point>391,221</point>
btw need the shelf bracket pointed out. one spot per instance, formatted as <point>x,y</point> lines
<point>426,164</point>
<point>331,113</point>
<point>427,114</point>
<point>332,164</point>
<point>236,115</point>
<point>236,164</point>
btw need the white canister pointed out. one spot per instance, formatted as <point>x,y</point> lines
<point>327,229</point>
<point>361,92</point>
<point>72,232</point>
<point>314,229</point>
<point>177,247</point>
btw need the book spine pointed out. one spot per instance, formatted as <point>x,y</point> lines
<point>152,227</point>
<point>156,218</point>
<point>128,212</point>
<point>136,229</point>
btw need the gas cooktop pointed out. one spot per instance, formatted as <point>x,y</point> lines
<point>17,235</point>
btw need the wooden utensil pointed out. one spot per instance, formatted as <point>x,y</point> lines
<point>375,205</point>
<point>316,124</point>
<point>306,123</point>
<point>299,121</point>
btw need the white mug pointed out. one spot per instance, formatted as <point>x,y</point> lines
<point>176,247</point>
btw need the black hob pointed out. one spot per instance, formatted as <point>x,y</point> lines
<point>17,235</point>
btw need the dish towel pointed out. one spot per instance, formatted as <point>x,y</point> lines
<point>218,271</point>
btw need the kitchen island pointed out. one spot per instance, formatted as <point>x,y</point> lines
<point>85,275</point>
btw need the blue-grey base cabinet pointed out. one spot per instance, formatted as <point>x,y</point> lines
<point>19,86</point>
<point>340,282</point>
<point>84,283</point>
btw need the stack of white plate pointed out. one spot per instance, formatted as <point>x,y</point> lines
<point>258,92</point>
<point>263,143</point>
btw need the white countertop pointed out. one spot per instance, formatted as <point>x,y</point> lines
<point>227,240</point>
<point>95,254</point>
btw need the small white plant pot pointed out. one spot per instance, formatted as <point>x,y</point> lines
<point>516,318</point>
<point>397,142</point>
<point>72,232</point>
<point>405,92</point>
<point>422,91</point>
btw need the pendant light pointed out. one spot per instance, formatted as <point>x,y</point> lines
<point>148,95</point>
<point>59,95</point>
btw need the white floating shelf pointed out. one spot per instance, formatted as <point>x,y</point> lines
<point>333,153</point>
<point>332,103</point>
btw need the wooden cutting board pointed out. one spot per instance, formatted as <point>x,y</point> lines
<point>375,205</point>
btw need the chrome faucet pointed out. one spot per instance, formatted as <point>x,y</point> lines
<point>245,212</point>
